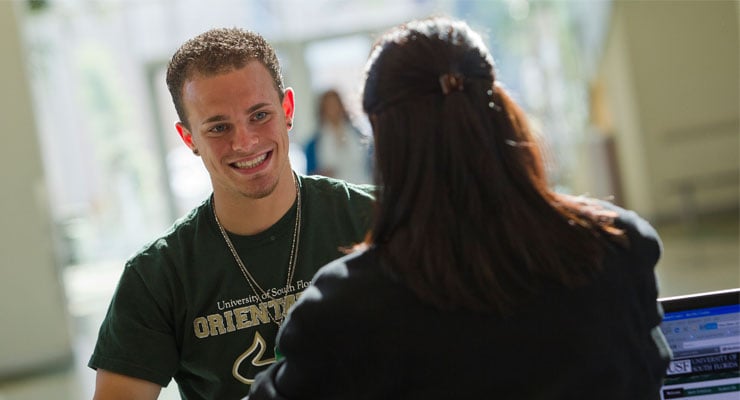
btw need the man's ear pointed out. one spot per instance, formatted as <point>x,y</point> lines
<point>289,106</point>
<point>185,135</point>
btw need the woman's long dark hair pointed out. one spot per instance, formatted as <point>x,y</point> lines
<point>465,215</point>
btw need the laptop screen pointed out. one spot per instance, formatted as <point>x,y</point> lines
<point>703,331</point>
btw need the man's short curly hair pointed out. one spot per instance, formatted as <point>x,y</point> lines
<point>215,52</point>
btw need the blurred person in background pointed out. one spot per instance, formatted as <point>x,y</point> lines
<point>337,148</point>
<point>202,304</point>
<point>477,280</point>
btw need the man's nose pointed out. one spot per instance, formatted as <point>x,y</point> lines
<point>244,139</point>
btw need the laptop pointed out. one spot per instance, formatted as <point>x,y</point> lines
<point>703,331</point>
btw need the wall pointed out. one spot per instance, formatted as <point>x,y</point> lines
<point>35,332</point>
<point>673,94</point>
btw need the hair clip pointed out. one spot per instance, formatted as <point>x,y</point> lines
<point>451,81</point>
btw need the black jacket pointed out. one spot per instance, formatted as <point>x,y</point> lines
<point>359,334</point>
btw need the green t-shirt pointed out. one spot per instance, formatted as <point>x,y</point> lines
<point>183,309</point>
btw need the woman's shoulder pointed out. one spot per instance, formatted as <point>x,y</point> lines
<point>642,238</point>
<point>337,288</point>
<point>355,269</point>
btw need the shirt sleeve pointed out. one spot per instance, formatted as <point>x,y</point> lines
<point>646,248</point>
<point>136,337</point>
<point>305,357</point>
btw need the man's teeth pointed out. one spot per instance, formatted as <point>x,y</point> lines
<point>251,163</point>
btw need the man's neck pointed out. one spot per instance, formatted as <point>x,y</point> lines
<point>248,216</point>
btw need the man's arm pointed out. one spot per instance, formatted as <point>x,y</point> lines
<point>112,386</point>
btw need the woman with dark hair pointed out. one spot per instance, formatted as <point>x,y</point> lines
<point>477,280</point>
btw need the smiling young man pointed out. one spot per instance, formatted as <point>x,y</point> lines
<point>203,303</point>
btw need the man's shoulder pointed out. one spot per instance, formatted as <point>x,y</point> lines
<point>336,188</point>
<point>175,238</point>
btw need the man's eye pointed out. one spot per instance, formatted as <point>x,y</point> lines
<point>218,128</point>
<point>260,115</point>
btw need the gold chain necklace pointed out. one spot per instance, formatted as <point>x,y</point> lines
<point>253,284</point>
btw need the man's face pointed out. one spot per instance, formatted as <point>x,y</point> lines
<point>239,127</point>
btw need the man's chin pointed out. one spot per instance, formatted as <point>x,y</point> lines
<point>262,192</point>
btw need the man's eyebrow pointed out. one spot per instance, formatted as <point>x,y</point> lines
<point>256,107</point>
<point>215,118</point>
